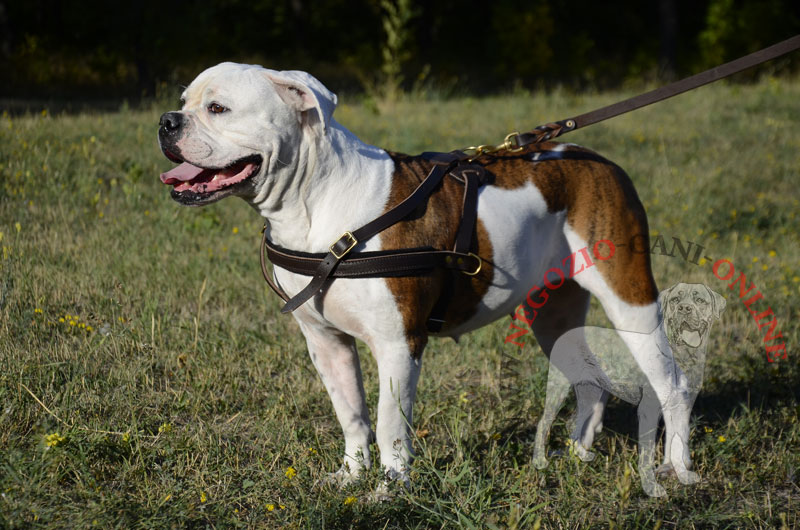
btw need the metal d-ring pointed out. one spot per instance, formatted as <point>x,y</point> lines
<point>480,264</point>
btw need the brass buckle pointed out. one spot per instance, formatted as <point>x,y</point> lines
<point>509,144</point>
<point>480,264</point>
<point>353,243</point>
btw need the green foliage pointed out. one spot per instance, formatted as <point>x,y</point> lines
<point>397,14</point>
<point>78,49</point>
<point>186,397</point>
<point>737,27</point>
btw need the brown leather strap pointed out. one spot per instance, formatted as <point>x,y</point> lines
<point>379,264</point>
<point>472,176</point>
<point>265,272</point>
<point>555,129</point>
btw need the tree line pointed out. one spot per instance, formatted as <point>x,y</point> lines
<point>94,48</point>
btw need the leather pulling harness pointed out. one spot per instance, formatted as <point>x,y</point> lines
<point>340,262</point>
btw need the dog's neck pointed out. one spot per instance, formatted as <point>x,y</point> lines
<point>331,183</point>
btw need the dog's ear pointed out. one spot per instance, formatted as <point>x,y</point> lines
<point>663,299</point>
<point>719,302</point>
<point>304,92</point>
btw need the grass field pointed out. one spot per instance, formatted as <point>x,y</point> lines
<point>147,379</point>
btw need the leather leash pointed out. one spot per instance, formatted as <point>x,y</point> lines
<point>555,129</point>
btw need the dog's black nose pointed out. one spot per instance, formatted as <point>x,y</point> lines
<point>684,308</point>
<point>170,121</point>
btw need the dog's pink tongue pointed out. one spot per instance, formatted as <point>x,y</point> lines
<point>182,173</point>
<point>691,337</point>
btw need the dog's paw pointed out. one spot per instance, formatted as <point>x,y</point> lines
<point>654,489</point>
<point>688,477</point>
<point>666,471</point>
<point>387,490</point>
<point>383,493</point>
<point>341,478</point>
<point>584,455</point>
<point>394,476</point>
<point>539,462</point>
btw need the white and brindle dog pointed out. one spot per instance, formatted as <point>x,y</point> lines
<point>596,362</point>
<point>269,137</point>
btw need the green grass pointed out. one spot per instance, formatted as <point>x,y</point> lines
<point>181,396</point>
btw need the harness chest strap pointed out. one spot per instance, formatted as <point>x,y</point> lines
<point>340,262</point>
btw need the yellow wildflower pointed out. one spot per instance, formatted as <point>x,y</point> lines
<point>235,230</point>
<point>349,500</point>
<point>721,438</point>
<point>708,429</point>
<point>53,439</point>
<point>270,507</point>
<point>291,472</point>
<point>203,497</point>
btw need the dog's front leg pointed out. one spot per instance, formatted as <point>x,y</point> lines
<point>335,357</point>
<point>399,372</point>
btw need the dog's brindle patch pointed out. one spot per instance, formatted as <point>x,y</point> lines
<point>601,203</point>
<point>434,223</point>
<point>600,200</point>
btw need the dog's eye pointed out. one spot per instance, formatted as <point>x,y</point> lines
<point>699,301</point>
<point>216,108</point>
<point>675,300</point>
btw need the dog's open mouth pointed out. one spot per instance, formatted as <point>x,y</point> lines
<point>690,335</point>
<point>190,180</point>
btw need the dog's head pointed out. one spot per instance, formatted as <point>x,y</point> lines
<point>237,122</point>
<point>689,309</point>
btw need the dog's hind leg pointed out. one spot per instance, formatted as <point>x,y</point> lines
<point>565,310</point>
<point>626,289</point>
<point>335,357</point>
<point>589,418</point>
<point>557,389</point>
<point>649,412</point>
